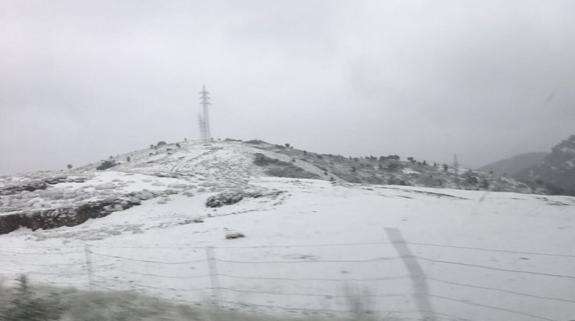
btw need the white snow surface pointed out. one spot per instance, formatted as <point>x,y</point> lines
<point>486,255</point>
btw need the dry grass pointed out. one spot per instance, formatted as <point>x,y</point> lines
<point>79,305</point>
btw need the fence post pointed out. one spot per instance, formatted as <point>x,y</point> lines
<point>416,274</point>
<point>89,268</point>
<point>214,275</point>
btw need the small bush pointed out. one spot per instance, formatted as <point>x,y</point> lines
<point>263,160</point>
<point>106,164</point>
<point>280,168</point>
<point>290,171</point>
<point>25,304</point>
<point>393,166</point>
<point>77,305</point>
<point>396,181</point>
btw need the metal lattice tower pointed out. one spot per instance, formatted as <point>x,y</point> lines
<point>456,169</point>
<point>204,116</point>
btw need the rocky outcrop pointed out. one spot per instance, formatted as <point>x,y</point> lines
<point>27,187</point>
<point>230,198</point>
<point>72,216</point>
<point>39,184</point>
<point>53,218</point>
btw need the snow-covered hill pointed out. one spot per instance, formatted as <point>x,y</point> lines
<point>556,171</point>
<point>289,245</point>
<point>513,165</point>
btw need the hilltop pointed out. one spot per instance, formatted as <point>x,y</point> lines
<point>95,190</point>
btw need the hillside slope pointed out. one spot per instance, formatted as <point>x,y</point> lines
<point>304,246</point>
<point>47,200</point>
<point>513,165</point>
<point>556,171</point>
<point>193,222</point>
<point>391,170</point>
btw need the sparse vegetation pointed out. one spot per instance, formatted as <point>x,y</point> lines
<point>278,168</point>
<point>26,303</point>
<point>381,170</point>
<point>255,142</point>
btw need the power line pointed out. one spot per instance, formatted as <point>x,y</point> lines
<point>301,245</point>
<point>491,250</point>
<point>190,246</point>
<point>137,286</point>
<point>63,273</point>
<point>312,261</point>
<point>148,261</point>
<point>501,290</point>
<point>40,253</point>
<point>402,277</point>
<point>486,267</point>
<point>490,307</point>
<point>311,294</point>
<point>162,275</point>
<point>51,265</point>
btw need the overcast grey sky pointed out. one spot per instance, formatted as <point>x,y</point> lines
<point>81,80</point>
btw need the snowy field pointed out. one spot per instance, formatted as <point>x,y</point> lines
<point>486,256</point>
<point>309,245</point>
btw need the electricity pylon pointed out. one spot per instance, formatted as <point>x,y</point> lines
<point>456,169</point>
<point>204,116</point>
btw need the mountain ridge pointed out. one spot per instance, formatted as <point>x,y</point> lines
<point>512,165</point>
<point>556,172</point>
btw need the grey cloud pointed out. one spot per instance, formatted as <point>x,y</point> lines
<point>485,79</point>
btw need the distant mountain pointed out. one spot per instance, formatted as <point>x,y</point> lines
<point>516,164</point>
<point>556,171</point>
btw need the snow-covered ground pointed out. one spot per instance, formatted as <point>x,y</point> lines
<point>486,256</point>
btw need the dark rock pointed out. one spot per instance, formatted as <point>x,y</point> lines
<point>39,185</point>
<point>227,198</point>
<point>68,216</point>
<point>234,235</point>
<point>29,187</point>
<point>106,164</point>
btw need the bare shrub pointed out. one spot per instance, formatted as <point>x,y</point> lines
<point>358,304</point>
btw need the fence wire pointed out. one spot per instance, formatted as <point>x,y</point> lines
<point>106,270</point>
